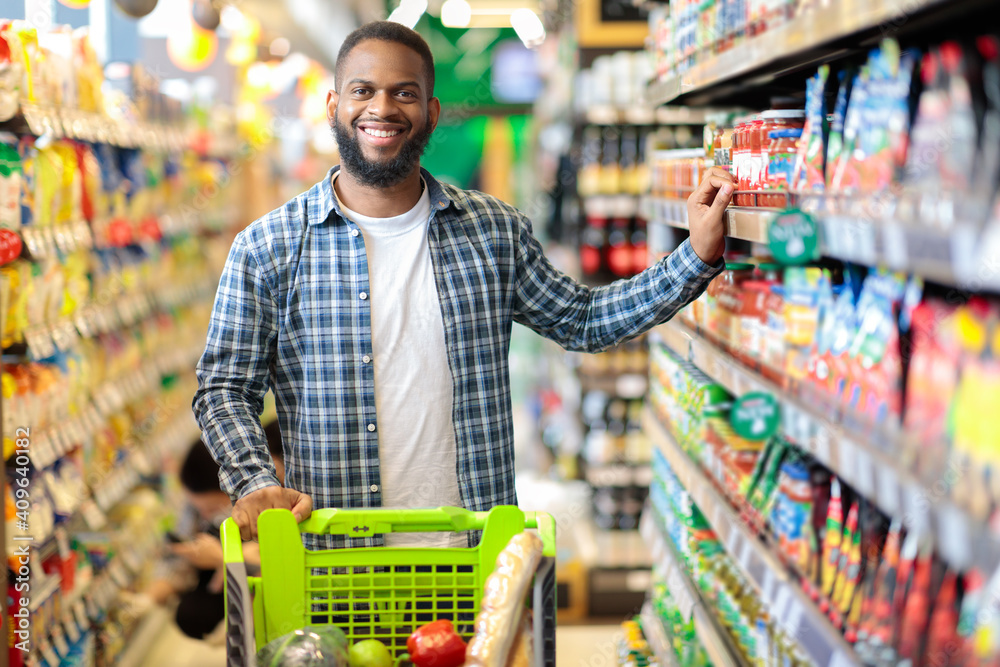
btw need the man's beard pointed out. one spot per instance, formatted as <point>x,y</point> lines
<point>379,174</point>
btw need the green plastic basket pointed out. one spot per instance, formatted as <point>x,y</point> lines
<point>373,593</point>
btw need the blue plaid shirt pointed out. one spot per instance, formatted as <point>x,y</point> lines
<point>290,316</point>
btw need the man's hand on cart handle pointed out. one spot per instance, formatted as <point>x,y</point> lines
<point>248,508</point>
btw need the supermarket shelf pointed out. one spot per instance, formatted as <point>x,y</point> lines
<point>867,458</point>
<point>957,255</point>
<point>664,115</point>
<point>656,637</point>
<point>623,385</point>
<point>683,589</point>
<point>808,38</point>
<point>785,600</point>
<point>58,122</point>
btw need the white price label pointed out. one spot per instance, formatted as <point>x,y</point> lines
<point>864,473</point>
<point>840,660</point>
<point>964,241</point>
<point>781,601</point>
<point>917,506</point>
<point>955,540</point>
<point>888,491</point>
<point>93,515</point>
<point>768,587</point>
<point>80,612</point>
<point>792,619</point>
<point>821,441</point>
<point>746,554</point>
<point>865,252</point>
<point>733,542</point>
<point>72,631</point>
<point>894,243</point>
<point>847,456</point>
<point>718,514</point>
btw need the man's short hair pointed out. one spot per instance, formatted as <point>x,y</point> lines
<point>388,31</point>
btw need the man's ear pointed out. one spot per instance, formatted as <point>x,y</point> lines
<point>332,99</point>
<point>433,112</point>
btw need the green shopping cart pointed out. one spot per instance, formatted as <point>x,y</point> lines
<point>376,593</point>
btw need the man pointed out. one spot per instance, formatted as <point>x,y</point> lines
<point>378,307</point>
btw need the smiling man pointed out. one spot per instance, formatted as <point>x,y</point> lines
<point>378,307</point>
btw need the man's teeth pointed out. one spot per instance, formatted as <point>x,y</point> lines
<point>381,133</point>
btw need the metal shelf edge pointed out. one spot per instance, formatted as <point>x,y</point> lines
<point>808,30</point>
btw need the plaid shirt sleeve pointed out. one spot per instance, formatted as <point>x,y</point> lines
<point>233,374</point>
<point>587,319</point>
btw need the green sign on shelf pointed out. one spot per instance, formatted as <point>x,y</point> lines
<point>792,237</point>
<point>755,416</point>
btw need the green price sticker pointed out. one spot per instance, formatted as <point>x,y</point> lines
<point>792,237</point>
<point>755,416</point>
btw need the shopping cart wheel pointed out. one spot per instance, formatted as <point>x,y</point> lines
<point>240,647</point>
<point>543,604</point>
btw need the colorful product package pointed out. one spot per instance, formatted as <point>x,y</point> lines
<point>805,288</point>
<point>831,546</point>
<point>808,174</point>
<point>835,141</point>
<point>840,179</point>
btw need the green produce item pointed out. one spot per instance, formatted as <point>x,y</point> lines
<point>369,653</point>
<point>312,646</point>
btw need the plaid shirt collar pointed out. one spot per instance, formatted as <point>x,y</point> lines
<point>327,202</point>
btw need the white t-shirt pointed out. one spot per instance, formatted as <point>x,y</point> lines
<point>413,384</point>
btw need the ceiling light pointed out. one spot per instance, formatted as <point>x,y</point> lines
<point>528,27</point>
<point>408,12</point>
<point>456,14</point>
<point>232,19</point>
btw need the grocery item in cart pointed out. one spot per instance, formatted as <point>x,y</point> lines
<point>313,646</point>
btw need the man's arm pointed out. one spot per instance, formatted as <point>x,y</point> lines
<point>593,319</point>
<point>233,376</point>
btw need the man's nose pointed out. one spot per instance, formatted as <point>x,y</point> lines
<point>382,105</point>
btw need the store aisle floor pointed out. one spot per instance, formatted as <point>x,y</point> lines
<point>174,648</point>
<point>576,646</point>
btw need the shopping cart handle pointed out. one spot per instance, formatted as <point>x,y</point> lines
<point>369,522</point>
<point>232,545</point>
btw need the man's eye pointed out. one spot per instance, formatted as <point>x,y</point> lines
<point>360,91</point>
<point>406,93</point>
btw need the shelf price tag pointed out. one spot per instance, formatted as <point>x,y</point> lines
<point>746,554</point>
<point>781,600</point>
<point>888,491</point>
<point>894,243</point>
<point>821,443</point>
<point>768,587</point>
<point>80,612</point>
<point>865,473</point>
<point>846,455</point>
<point>72,630</point>
<point>955,539</point>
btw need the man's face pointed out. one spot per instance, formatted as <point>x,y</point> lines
<point>381,115</point>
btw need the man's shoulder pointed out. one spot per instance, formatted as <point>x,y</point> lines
<point>480,203</point>
<point>287,222</point>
